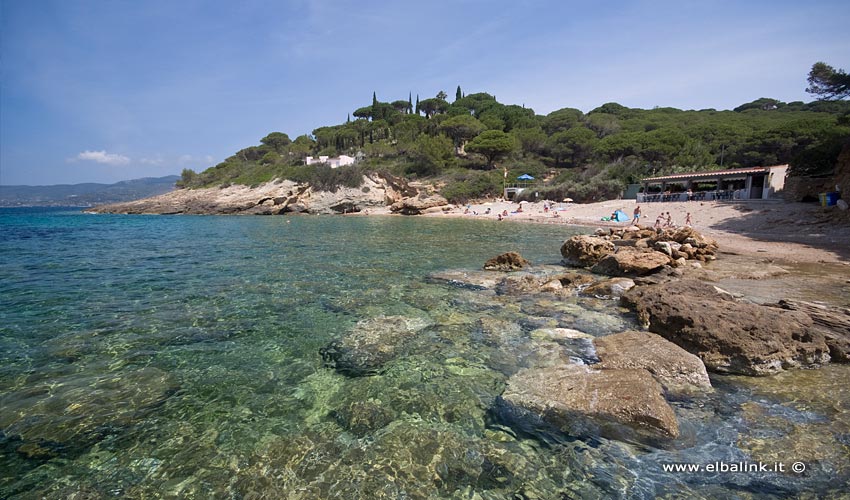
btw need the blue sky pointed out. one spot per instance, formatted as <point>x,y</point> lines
<point>101,91</point>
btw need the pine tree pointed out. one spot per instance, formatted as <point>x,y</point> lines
<point>458,94</point>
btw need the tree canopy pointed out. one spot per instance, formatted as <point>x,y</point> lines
<point>827,82</point>
<point>608,146</point>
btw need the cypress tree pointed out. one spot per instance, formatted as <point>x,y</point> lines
<point>410,103</point>
<point>417,104</point>
<point>458,94</point>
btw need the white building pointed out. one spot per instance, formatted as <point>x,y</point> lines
<point>336,161</point>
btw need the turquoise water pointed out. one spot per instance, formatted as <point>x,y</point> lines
<point>152,356</point>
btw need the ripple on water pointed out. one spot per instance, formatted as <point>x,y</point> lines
<point>179,356</point>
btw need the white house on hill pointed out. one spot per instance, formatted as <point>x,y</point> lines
<point>336,161</point>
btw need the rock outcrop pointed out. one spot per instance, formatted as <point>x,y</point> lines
<point>728,335</point>
<point>679,371</point>
<point>282,197</point>
<point>636,251</point>
<point>371,344</point>
<point>830,321</point>
<point>509,261</point>
<point>578,401</point>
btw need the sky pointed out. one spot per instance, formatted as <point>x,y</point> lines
<point>110,90</point>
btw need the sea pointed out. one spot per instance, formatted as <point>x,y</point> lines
<point>179,357</point>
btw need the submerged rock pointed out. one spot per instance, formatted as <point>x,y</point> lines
<point>64,416</point>
<point>576,400</point>
<point>676,369</point>
<point>729,336</point>
<point>510,261</point>
<point>612,288</point>
<point>371,344</point>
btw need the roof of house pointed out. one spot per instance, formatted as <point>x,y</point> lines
<point>713,174</point>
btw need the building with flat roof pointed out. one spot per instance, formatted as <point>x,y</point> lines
<point>750,183</point>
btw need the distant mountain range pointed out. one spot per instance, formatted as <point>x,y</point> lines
<point>85,195</point>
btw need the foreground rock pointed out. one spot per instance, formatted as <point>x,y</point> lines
<point>371,344</point>
<point>611,288</point>
<point>510,261</point>
<point>585,251</point>
<point>676,369</point>
<point>831,321</point>
<point>619,404</point>
<point>729,336</point>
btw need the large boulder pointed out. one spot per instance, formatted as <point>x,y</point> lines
<point>679,371</point>
<point>630,261</point>
<point>585,251</point>
<point>728,335</point>
<point>371,344</point>
<point>578,401</point>
<point>509,261</point>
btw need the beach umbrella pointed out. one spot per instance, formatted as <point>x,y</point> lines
<point>568,200</point>
<point>525,177</point>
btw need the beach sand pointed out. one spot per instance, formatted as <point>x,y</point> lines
<point>789,231</point>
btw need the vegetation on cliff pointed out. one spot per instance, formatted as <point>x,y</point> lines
<point>464,145</point>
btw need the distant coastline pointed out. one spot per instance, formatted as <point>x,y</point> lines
<point>86,194</point>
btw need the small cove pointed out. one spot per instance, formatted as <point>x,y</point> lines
<point>179,356</point>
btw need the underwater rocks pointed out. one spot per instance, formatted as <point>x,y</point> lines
<point>612,288</point>
<point>728,335</point>
<point>371,344</point>
<point>64,416</point>
<point>582,402</point>
<point>676,369</point>
<point>510,261</point>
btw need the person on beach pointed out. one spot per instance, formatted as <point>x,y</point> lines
<point>637,215</point>
<point>658,220</point>
<point>669,222</point>
<point>688,222</point>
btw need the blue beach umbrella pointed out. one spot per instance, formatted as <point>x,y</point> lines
<point>525,177</point>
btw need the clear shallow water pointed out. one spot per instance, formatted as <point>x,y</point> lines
<point>179,357</point>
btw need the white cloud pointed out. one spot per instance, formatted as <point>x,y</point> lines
<point>152,161</point>
<point>103,157</point>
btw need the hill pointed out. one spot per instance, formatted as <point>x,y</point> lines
<point>465,146</point>
<point>87,194</point>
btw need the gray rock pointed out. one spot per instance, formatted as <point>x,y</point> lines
<point>371,344</point>
<point>578,401</point>
<point>679,371</point>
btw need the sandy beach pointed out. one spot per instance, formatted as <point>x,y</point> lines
<point>793,232</point>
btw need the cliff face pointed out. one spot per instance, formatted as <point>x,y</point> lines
<point>842,173</point>
<point>272,198</point>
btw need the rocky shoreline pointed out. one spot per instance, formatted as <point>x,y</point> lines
<point>377,193</point>
<point>621,385</point>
